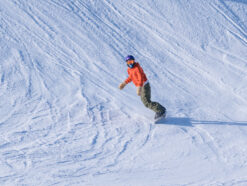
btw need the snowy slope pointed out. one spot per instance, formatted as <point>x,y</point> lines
<point>64,121</point>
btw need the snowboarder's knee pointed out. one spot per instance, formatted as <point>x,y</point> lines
<point>146,104</point>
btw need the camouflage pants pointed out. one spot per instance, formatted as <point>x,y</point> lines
<point>146,100</point>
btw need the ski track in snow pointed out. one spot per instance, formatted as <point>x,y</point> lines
<point>64,122</point>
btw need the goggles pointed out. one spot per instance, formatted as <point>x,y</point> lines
<point>129,62</point>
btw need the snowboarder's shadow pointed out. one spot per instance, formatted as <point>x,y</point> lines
<point>184,121</point>
<point>239,1</point>
<point>175,121</point>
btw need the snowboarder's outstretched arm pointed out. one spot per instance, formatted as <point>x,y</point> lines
<point>122,85</point>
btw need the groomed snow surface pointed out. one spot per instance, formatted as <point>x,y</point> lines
<point>63,120</point>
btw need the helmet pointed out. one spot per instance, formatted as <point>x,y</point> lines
<point>129,57</point>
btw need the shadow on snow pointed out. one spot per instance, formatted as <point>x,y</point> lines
<point>183,121</point>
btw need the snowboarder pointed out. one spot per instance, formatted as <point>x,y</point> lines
<point>137,75</point>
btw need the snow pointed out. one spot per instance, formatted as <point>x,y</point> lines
<point>63,120</point>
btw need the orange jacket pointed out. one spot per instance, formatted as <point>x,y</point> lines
<point>137,75</point>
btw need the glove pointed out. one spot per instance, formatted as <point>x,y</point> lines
<point>122,85</point>
<point>138,91</point>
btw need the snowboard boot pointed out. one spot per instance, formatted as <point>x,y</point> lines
<point>160,114</point>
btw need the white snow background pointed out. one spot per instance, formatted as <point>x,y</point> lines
<point>63,120</point>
